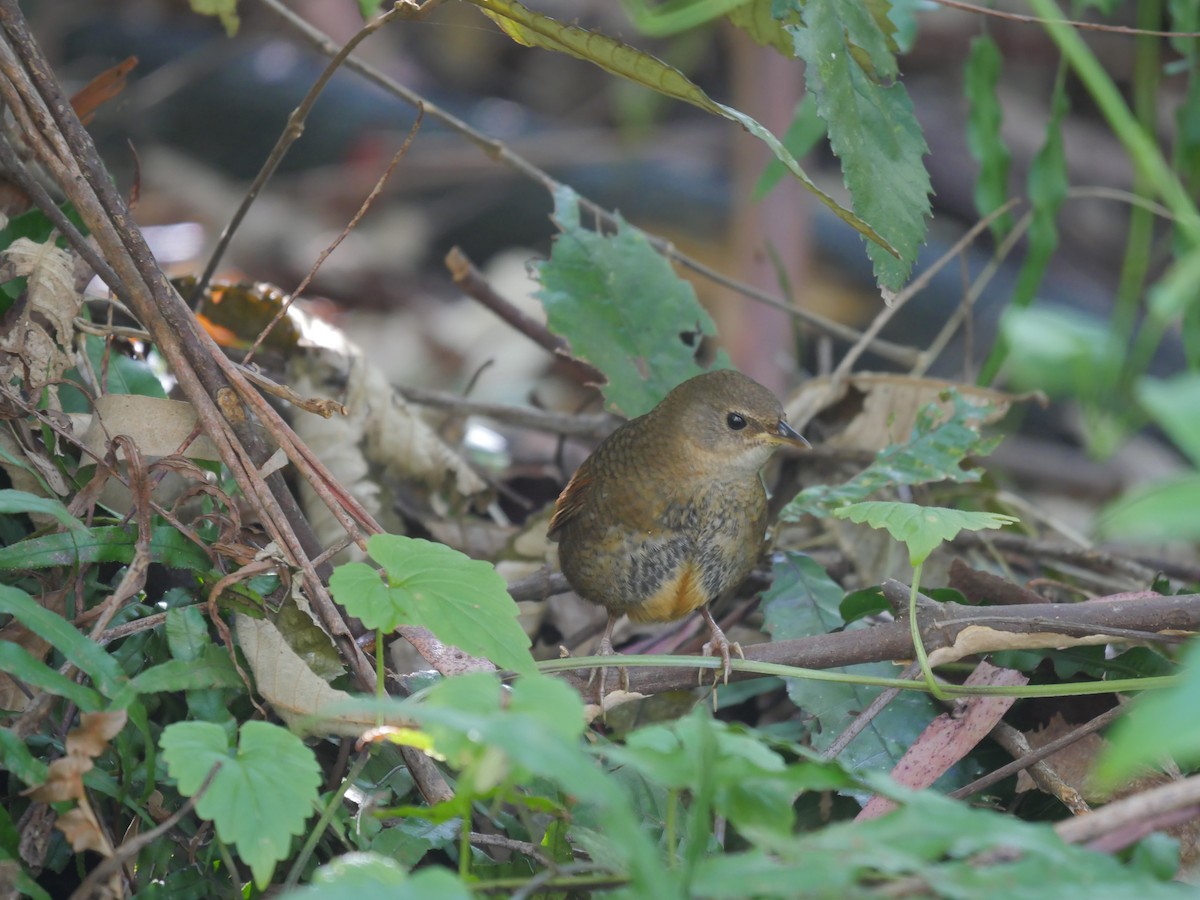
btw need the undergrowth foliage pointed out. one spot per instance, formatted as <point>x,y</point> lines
<point>178,721</point>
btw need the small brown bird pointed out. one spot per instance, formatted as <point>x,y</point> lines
<point>669,513</point>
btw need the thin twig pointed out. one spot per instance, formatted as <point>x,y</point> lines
<point>590,427</point>
<point>472,283</point>
<point>1074,23</point>
<point>986,781</point>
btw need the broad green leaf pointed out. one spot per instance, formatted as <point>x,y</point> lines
<point>12,501</point>
<point>1164,510</point>
<point>409,839</point>
<point>86,654</point>
<point>1175,406</point>
<point>1062,352</point>
<point>262,795</point>
<point>852,72</point>
<point>224,10</point>
<point>461,600</point>
<point>535,30</point>
<point>937,843</point>
<point>211,669</point>
<point>1047,187</point>
<point>984,117</point>
<point>119,374</point>
<point>622,308</point>
<point>187,633</point>
<point>1157,727</point>
<point>802,135</point>
<point>803,600</point>
<point>356,876</point>
<point>103,544</point>
<point>32,672</point>
<point>921,528</point>
<point>16,758</point>
<point>939,444</point>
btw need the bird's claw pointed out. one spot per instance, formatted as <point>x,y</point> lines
<point>600,673</point>
<point>723,647</point>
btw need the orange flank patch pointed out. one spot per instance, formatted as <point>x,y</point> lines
<point>674,600</point>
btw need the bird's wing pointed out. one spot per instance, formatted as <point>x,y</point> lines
<point>573,498</point>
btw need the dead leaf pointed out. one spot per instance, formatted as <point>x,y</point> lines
<point>101,89</point>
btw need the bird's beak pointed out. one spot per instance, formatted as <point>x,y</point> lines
<point>786,434</point>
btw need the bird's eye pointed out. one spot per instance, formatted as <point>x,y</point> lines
<point>734,421</point>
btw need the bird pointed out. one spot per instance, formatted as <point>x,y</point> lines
<point>669,513</point>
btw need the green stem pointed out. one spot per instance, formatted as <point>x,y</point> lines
<point>914,628</point>
<point>327,814</point>
<point>1147,159</point>
<point>671,826</point>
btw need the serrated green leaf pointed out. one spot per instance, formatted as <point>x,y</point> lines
<point>1164,510</point>
<point>803,600</point>
<point>32,672</point>
<point>187,633</point>
<point>939,444</point>
<point>535,30</point>
<point>262,795</point>
<point>103,544</point>
<point>981,78</point>
<point>622,308</point>
<point>461,600</point>
<point>86,654</point>
<point>872,129</point>
<point>921,528</point>
<point>1175,406</point>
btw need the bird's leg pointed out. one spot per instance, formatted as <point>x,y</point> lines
<point>720,643</point>
<point>606,649</point>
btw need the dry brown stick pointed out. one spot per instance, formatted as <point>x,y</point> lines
<point>1049,781</point>
<point>1038,547</point>
<point>986,781</point>
<point>472,283</point>
<point>1052,624</point>
<point>1074,23</point>
<point>497,150</point>
<point>1131,810</point>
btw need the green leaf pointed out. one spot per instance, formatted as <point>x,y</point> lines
<point>1158,726</point>
<point>1164,510</point>
<point>984,118</point>
<point>119,374</point>
<point>1047,187</point>
<point>802,135</point>
<point>535,30</point>
<point>104,544</point>
<point>461,600</point>
<point>12,502</point>
<point>86,654</point>
<point>412,837</point>
<point>754,17</point>
<point>803,600</point>
<point>212,669</point>
<point>187,633</point>
<point>262,795</point>
<point>939,443</point>
<point>1175,406</point>
<point>16,758</point>
<point>1062,352</point>
<point>224,10</point>
<point>872,129</point>
<point>622,308</point>
<point>31,671</point>
<point>921,528</point>
<point>674,16</point>
<point>356,876</point>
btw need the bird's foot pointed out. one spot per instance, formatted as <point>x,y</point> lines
<point>721,644</point>
<point>600,673</point>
